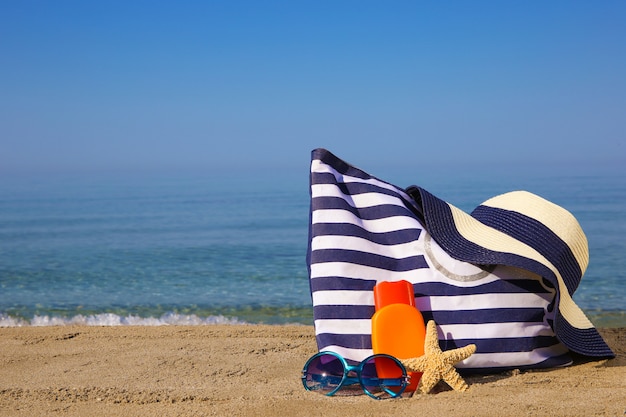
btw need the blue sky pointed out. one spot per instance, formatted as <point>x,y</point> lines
<point>151,85</point>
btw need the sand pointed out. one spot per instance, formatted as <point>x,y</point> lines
<point>254,370</point>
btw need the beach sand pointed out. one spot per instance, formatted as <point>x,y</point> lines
<point>254,370</point>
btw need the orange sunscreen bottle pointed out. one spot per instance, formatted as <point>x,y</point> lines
<point>397,326</point>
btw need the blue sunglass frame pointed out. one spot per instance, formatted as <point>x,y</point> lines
<point>346,379</point>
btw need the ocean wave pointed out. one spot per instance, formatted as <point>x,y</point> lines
<point>111,319</point>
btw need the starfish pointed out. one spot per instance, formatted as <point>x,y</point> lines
<point>436,364</point>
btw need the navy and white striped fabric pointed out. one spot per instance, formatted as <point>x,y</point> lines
<point>364,230</point>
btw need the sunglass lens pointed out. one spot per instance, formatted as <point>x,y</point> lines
<point>323,373</point>
<point>383,377</point>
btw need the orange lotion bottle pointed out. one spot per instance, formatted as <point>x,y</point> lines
<point>397,326</point>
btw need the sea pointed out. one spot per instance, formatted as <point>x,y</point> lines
<point>208,248</point>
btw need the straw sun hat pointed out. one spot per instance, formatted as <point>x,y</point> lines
<point>523,230</point>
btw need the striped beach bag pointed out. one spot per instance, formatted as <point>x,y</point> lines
<point>501,277</point>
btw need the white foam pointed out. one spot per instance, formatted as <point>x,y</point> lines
<point>110,319</point>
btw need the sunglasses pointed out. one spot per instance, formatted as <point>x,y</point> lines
<point>379,376</point>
